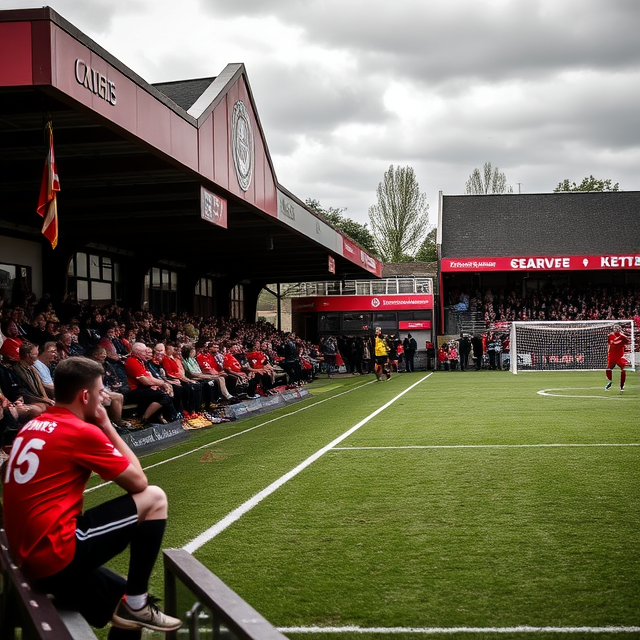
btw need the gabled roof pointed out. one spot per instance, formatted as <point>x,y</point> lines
<point>184,92</point>
<point>576,223</point>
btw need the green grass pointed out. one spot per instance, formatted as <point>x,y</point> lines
<point>435,535</point>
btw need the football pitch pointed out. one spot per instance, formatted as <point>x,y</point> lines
<point>458,504</point>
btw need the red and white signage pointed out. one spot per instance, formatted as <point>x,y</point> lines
<point>414,325</point>
<point>541,263</point>
<point>332,264</point>
<point>399,302</point>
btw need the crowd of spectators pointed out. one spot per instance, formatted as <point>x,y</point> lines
<point>552,303</point>
<point>170,365</point>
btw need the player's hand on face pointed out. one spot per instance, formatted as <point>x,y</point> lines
<point>101,419</point>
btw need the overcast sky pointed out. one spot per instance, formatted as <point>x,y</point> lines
<point>543,89</point>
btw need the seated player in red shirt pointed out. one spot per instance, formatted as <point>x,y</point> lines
<point>58,546</point>
<point>617,343</point>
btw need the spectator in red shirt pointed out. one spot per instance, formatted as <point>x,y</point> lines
<point>191,390</point>
<point>260,362</point>
<point>151,394</point>
<point>243,379</point>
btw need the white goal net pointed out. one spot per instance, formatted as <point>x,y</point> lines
<point>566,346</point>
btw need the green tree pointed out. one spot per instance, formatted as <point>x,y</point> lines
<point>489,180</point>
<point>400,219</point>
<point>428,251</point>
<point>587,184</point>
<point>351,228</point>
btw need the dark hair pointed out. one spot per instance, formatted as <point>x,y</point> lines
<point>25,349</point>
<point>73,375</point>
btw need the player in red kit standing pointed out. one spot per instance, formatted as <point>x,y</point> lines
<point>617,343</point>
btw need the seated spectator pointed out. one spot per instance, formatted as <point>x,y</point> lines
<point>150,393</point>
<point>262,377</point>
<point>66,346</point>
<point>155,362</point>
<point>10,385</point>
<point>112,388</point>
<point>9,423</point>
<point>173,367</point>
<point>31,387</point>
<point>244,380</point>
<point>37,331</point>
<point>259,361</point>
<point>206,380</point>
<point>47,357</point>
<point>75,348</point>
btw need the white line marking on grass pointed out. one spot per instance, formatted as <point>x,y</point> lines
<point>234,435</point>
<point>237,513</point>
<point>615,395</point>
<point>491,446</point>
<point>449,630</point>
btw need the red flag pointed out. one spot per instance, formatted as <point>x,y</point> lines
<point>47,203</point>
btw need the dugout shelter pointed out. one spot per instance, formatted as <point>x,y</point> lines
<point>527,242</point>
<point>168,194</point>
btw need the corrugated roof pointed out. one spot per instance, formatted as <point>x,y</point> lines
<point>576,223</point>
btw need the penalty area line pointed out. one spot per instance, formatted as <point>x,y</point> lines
<point>451,630</point>
<point>244,508</point>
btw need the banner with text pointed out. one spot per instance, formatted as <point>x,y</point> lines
<point>541,263</point>
<point>399,302</point>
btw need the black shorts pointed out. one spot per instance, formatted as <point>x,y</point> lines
<point>381,360</point>
<point>84,585</point>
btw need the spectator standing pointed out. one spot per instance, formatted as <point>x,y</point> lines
<point>291,362</point>
<point>478,351</point>
<point>464,349</point>
<point>410,347</point>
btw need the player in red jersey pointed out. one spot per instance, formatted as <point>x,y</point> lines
<point>617,343</point>
<point>57,545</point>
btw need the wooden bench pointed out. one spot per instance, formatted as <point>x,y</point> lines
<point>29,614</point>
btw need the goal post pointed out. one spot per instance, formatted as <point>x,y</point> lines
<point>566,345</point>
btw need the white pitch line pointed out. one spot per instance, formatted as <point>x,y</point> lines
<point>244,508</point>
<point>451,630</point>
<point>235,435</point>
<point>490,446</point>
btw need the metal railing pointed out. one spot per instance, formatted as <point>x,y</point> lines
<point>386,286</point>
<point>209,609</point>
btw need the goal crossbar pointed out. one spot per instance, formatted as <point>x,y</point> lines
<point>579,345</point>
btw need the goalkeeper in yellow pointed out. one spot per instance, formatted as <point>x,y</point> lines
<point>381,351</point>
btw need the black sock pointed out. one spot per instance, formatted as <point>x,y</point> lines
<point>144,549</point>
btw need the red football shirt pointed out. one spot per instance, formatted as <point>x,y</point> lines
<point>134,370</point>
<point>231,363</point>
<point>207,363</point>
<point>617,343</point>
<point>257,359</point>
<point>51,461</point>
